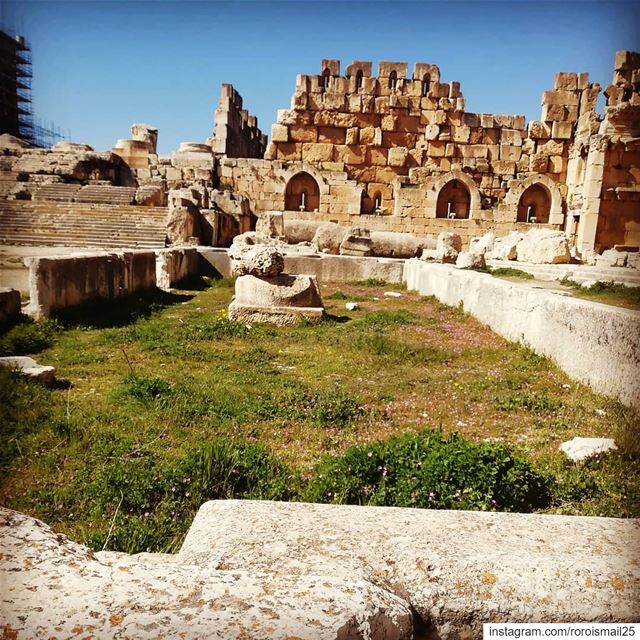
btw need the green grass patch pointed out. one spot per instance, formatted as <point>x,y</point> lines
<point>169,397</point>
<point>28,336</point>
<point>614,293</point>
<point>509,272</point>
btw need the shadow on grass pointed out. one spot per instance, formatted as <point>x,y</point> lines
<point>101,314</point>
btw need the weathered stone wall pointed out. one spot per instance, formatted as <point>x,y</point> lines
<point>60,282</point>
<point>326,268</point>
<point>273,570</point>
<point>236,133</point>
<point>379,128</point>
<point>619,214</point>
<point>596,344</point>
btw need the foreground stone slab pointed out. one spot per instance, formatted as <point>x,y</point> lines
<point>594,343</point>
<point>457,569</point>
<point>52,587</point>
<point>29,368</point>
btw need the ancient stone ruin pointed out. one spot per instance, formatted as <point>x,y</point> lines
<point>390,152</point>
<point>263,293</point>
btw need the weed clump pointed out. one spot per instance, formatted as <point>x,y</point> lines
<point>28,336</point>
<point>152,501</point>
<point>431,470</point>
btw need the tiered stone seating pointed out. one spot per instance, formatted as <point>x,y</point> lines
<point>58,192</point>
<point>106,194</point>
<point>7,182</point>
<point>81,225</point>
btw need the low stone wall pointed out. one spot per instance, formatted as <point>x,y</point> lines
<point>9,304</point>
<point>176,264</point>
<point>594,343</point>
<point>326,268</point>
<point>59,282</point>
<point>273,570</point>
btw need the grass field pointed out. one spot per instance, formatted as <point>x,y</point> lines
<point>164,403</point>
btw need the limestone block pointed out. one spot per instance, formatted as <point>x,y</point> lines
<point>280,300</point>
<point>473,151</point>
<point>356,242</point>
<point>332,135</point>
<point>350,154</point>
<point>566,98</point>
<point>511,137</point>
<point>352,136</point>
<point>544,246</point>
<point>387,244</point>
<point>460,134</point>
<point>334,101</point>
<point>145,133</point>
<point>562,130</point>
<point>302,133</point>
<point>490,136</point>
<point>566,81</point>
<point>432,255</point>
<point>248,258</point>
<point>320,152</point>
<point>612,258</point>
<point>551,147</point>
<point>449,244</point>
<point>150,196</point>
<point>504,167</point>
<point>279,133</point>
<point>482,244</point>
<point>539,163</point>
<point>377,156</point>
<point>397,156</point>
<point>55,587</point>
<point>29,368</point>
<point>509,152</point>
<point>328,237</point>
<point>469,260</point>
<point>505,248</point>
<point>578,449</point>
<point>557,164</point>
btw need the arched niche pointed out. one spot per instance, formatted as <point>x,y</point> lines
<point>454,200</point>
<point>517,189</point>
<point>370,204</point>
<point>302,193</point>
<point>464,187</point>
<point>534,205</point>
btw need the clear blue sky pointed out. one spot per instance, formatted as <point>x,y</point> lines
<point>101,66</point>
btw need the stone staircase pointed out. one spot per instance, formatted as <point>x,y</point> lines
<point>81,225</point>
<point>7,182</point>
<point>106,194</point>
<point>58,192</point>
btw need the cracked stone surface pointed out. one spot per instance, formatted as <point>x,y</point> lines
<point>264,570</point>
<point>457,569</point>
<point>52,587</point>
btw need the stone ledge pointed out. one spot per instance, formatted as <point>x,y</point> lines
<point>274,570</point>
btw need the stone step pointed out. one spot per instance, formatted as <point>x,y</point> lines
<point>107,194</point>
<point>59,191</point>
